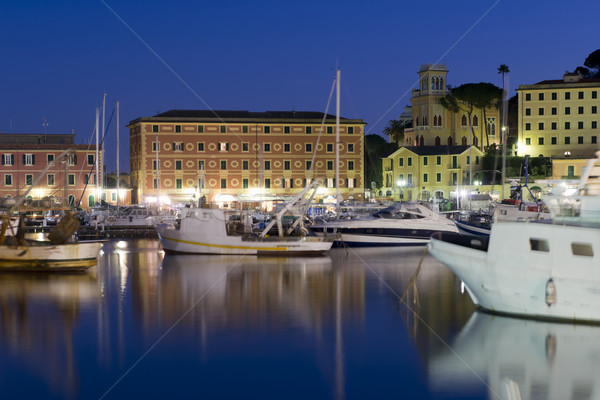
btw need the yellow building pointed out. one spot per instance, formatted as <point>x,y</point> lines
<point>559,118</point>
<point>429,172</point>
<point>180,155</point>
<point>434,125</point>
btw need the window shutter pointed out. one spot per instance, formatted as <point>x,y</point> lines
<point>23,159</point>
<point>33,159</point>
<point>12,159</point>
<point>174,146</point>
<point>2,156</point>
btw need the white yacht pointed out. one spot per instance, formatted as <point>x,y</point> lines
<point>546,269</point>
<point>401,224</point>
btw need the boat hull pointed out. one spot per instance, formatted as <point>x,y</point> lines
<point>175,241</point>
<point>537,270</point>
<point>64,257</point>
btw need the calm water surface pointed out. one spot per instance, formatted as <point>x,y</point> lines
<point>145,325</point>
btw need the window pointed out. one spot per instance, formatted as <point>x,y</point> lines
<point>582,249</point>
<point>244,146</point>
<point>71,179</point>
<point>425,160</point>
<point>594,124</point>
<point>594,109</point>
<point>245,183</point>
<point>454,178</point>
<point>178,164</point>
<point>567,125</point>
<point>476,160</point>
<point>554,110</point>
<point>154,183</point>
<point>178,183</point>
<point>528,126</point>
<point>539,245</point>
<point>438,177</point>
<point>113,196</point>
<point>8,180</point>
<point>177,128</point>
<point>438,160</point>
<point>200,164</point>
<point>245,165</point>
<point>308,147</point>
<point>8,159</point>
<point>223,164</point>
<point>287,147</point>
<point>90,159</point>
<point>267,129</point>
<point>579,110</point>
<point>245,129</point>
<point>468,160</point>
<point>330,165</point>
<point>425,178</point>
<point>554,96</point>
<point>330,182</point>
<point>350,165</point>
<point>154,164</point>
<point>350,130</point>
<point>594,139</point>
<point>267,165</point>
<point>287,165</point>
<point>350,147</point>
<point>330,129</point>
<point>540,96</point>
<point>350,182</point>
<point>527,96</point>
<point>223,129</point>
<point>308,129</point>
<point>580,125</point>
<point>155,128</point>
<point>567,95</point>
<point>28,179</point>
<point>541,111</point>
<point>329,147</point>
<point>286,129</point>
<point>200,128</point>
<point>401,162</point>
<point>223,183</point>
<point>223,146</point>
<point>541,126</point>
<point>201,183</point>
<point>49,158</point>
<point>527,142</point>
<point>567,140</point>
<point>567,110</point>
<point>554,126</point>
<point>541,141</point>
<point>409,180</point>
<point>178,146</point>
<point>580,95</point>
<point>409,161</point>
<point>308,165</point>
<point>579,139</point>
<point>528,111</point>
<point>267,183</point>
<point>554,140</point>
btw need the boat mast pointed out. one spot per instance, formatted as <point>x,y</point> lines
<point>157,176</point>
<point>504,131</point>
<point>337,142</point>
<point>97,149</point>
<point>101,161</point>
<point>118,171</point>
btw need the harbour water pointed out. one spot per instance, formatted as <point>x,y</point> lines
<point>147,325</point>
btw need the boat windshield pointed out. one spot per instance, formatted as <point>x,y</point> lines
<point>398,214</point>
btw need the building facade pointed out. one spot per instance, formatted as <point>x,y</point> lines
<point>434,125</point>
<point>179,155</point>
<point>69,182</point>
<point>559,118</point>
<point>429,172</point>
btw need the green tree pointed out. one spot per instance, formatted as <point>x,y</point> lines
<point>376,148</point>
<point>395,130</point>
<point>593,61</point>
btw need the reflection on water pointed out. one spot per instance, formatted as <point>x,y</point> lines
<point>229,327</point>
<point>522,359</point>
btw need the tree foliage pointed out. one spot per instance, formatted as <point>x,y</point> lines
<point>395,130</point>
<point>593,61</point>
<point>376,148</point>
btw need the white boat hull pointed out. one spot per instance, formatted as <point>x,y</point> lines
<point>64,257</point>
<point>176,241</point>
<point>532,269</point>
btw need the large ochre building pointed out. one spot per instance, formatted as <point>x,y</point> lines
<point>559,118</point>
<point>181,155</point>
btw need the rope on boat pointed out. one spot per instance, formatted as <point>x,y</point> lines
<point>413,283</point>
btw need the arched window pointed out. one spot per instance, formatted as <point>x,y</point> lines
<point>422,141</point>
<point>475,120</point>
<point>441,83</point>
<point>437,141</point>
<point>450,141</point>
<point>440,120</point>
<point>464,140</point>
<point>437,83</point>
<point>435,120</point>
<point>425,122</point>
<point>475,141</point>
<point>463,120</point>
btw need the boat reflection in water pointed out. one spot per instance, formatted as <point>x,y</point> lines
<point>521,359</point>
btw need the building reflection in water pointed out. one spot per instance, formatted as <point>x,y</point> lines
<point>521,359</point>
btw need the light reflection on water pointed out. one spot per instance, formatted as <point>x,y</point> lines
<point>159,326</point>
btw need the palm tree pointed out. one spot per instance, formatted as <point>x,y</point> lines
<point>395,130</point>
<point>503,69</point>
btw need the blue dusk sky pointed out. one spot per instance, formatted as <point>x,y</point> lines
<point>59,57</point>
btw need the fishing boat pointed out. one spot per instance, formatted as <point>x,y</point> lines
<point>401,224</point>
<point>480,223</point>
<point>543,269</point>
<point>216,231</point>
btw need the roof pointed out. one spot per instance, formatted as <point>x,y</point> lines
<point>437,150</point>
<point>241,116</point>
